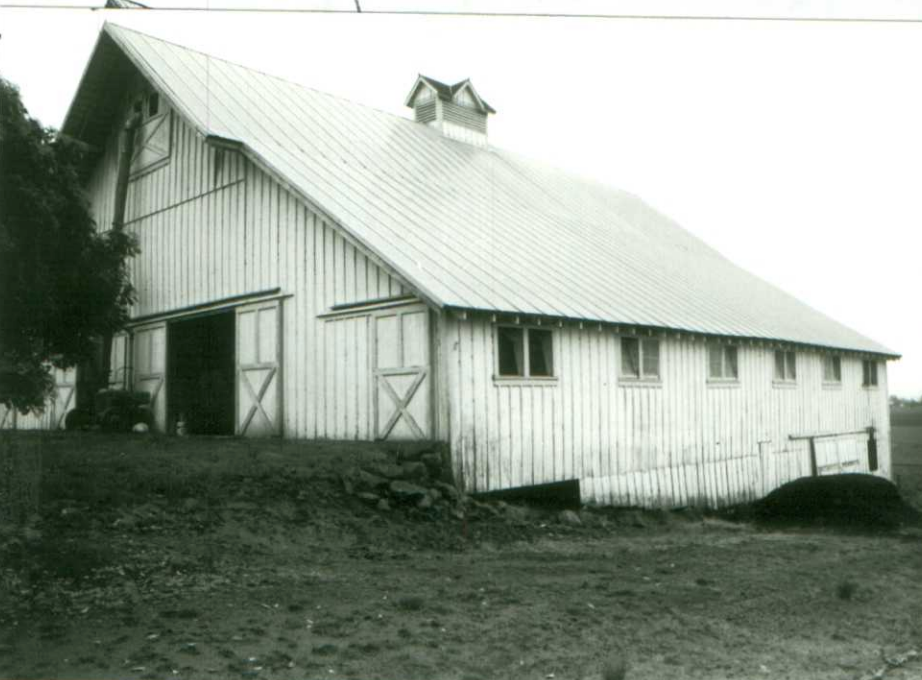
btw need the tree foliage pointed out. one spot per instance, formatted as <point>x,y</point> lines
<point>63,285</point>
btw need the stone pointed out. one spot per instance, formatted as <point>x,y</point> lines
<point>383,505</point>
<point>365,481</point>
<point>569,517</point>
<point>516,513</point>
<point>447,490</point>
<point>406,490</point>
<point>409,456</point>
<point>371,498</point>
<point>433,461</point>
<point>414,471</point>
<point>387,470</point>
<point>425,502</point>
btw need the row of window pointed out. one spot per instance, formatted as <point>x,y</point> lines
<point>529,353</point>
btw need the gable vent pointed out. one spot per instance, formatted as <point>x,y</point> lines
<point>457,111</point>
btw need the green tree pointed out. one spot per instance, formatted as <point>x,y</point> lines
<point>63,285</point>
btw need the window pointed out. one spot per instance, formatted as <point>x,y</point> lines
<point>869,373</point>
<point>722,362</point>
<point>832,369</point>
<point>640,358</point>
<point>525,352</point>
<point>785,366</point>
<point>540,353</point>
<point>153,104</point>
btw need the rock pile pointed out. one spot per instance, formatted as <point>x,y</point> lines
<point>420,479</point>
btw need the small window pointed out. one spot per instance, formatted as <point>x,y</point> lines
<point>511,351</point>
<point>540,353</point>
<point>785,366</point>
<point>869,373</point>
<point>525,352</point>
<point>640,358</point>
<point>832,369</point>
<point>153,104</point>
<point>722,362</point>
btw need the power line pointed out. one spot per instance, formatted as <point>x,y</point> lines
<point>455,13</point>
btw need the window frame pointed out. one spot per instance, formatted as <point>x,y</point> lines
<point>835,361</point>
<point>526,376</point>
<point>723,378</point>
<point>786,379</point>
<point>641,378</point>
<point>870,380</point>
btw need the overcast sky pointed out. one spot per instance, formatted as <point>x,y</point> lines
<point>795,149</point>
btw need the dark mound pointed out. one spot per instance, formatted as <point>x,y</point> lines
<point>849,501</point>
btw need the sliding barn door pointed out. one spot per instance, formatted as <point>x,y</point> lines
<point>149,369</point>
<point>258,369</point>
<point>402,377</point>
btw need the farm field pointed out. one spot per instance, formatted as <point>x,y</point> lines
<point>220,558</point>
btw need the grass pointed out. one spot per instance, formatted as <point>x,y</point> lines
<point>846,590</point>
<point>906,417</point>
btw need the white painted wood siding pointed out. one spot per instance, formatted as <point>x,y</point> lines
<point>210,229</point>
<point>683,442</point>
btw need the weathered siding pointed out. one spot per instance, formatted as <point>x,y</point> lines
<point>683,441</point>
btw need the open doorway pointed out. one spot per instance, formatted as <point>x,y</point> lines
<point>202,373</point>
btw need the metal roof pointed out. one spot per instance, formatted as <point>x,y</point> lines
<point>470,227</point>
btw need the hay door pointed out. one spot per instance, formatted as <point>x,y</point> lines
<point>149,345</point>
<point>402,375</point>
<point>258,369</point>
<point>65,393</point>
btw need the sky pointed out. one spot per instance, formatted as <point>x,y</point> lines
<point>793,148</point>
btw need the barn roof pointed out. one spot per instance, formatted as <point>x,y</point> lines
<point>474,228</point>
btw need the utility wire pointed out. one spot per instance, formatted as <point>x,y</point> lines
<point>455,13</point>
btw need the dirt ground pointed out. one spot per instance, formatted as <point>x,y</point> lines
<point>218,558</point>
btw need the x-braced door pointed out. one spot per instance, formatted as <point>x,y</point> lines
<point>258,367</point>
<point>149,369</point>
<point>402,374</point>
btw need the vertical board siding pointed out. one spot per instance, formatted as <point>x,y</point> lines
<point>683,441</point>
<point>210,226</point>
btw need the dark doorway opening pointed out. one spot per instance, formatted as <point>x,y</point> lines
<point>201,373</point>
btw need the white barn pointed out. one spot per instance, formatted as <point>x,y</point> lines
<point>314,268</point>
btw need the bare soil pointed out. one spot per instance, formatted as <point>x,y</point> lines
<point>219,558</point>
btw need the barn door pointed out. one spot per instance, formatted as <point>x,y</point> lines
<point>402,374</point>
<point>258,366</point>
<point>118,362</point>
<point>149,369</point>
<point>65,395</point>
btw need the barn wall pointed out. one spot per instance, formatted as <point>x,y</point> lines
<point>683,442</point>
<point>210,229</point>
